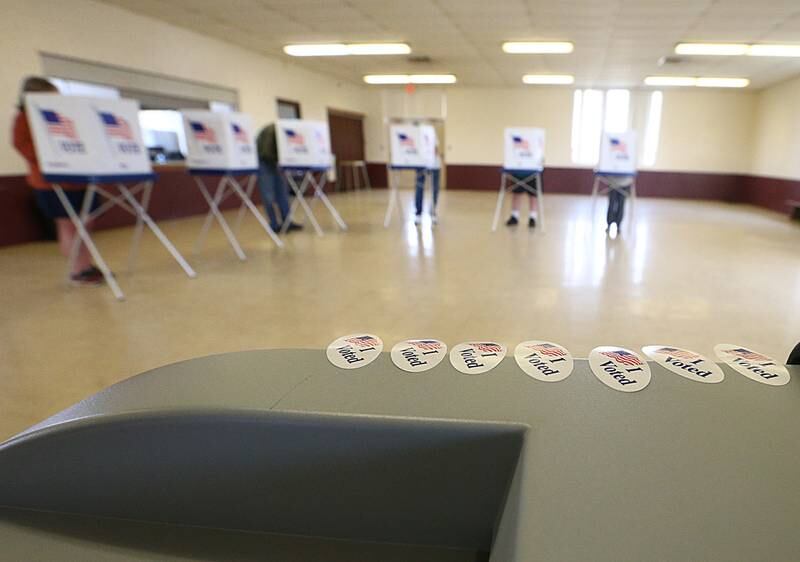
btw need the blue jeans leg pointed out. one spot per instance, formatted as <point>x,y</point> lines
<point>435,174</point>
<point>266,185</point>
<point>420,190</point>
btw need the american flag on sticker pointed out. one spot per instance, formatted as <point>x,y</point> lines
<point>363,341</point>
<point>679,353</point>
<point>239,134</point>
<point>201,132</point>
<point>747,354</point>
<point>622,356</point>
<point>405,140</point>
<point>116,126</point>
<point>58,125</point>
<point>520,143</point>
<point>428,345</point>
<point>618,145</point>
<point>294,137</point>
<point>488,346</point>
<point>548,349</point>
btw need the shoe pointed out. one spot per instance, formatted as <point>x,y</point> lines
<point>531,222</point>
<point>512,221</point>
<point>89,277</point>
<point>434,218</point>
<point>417,219</point>
<point>294,226</point>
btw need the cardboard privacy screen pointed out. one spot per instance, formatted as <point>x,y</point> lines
<point>618,153</point>
<point>78,136</point>
<point>412,146</point>
<point>303,144</point>
<point>219,141</point>
<point>524,149</point>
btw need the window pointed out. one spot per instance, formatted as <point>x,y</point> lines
<point>288,109</point>
<point>652,129</point>
<point>617,105</point>
<point>163,135</point>
<point>595,111</point>
<point>76,88</point>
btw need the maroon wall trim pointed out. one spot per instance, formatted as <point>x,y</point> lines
<point>175,194</point>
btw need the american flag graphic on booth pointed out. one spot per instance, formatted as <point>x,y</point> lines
<point>58,125</point>
<point>548,349</point>
<point>239,134</point>
<point>622,356</point>
<point>617,145</point>
<point>201,132</point>
<point>294,137</point>
<point>428,345</point>
<point>679,353</point>
<point>116,126</point>
<point>747,354</point>
<point>520,143</point>
<point>363,341</point>
<point>488,346</point>
<point>405,140</point>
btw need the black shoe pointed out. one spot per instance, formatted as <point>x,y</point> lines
<point>294,226</point>
<point>531,222</point>
<point>91,276</point>
<point>512,221</point>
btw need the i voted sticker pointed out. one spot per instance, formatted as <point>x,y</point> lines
<point>752,364</point>
<point>416,356</point>
<point>685,363</point>
<point>544,360</point>
<point>619,368</point>
<point>354,351</point>
<point>475,358</point>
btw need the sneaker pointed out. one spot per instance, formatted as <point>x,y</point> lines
<point>434,218</point>
<point>512,221</point>
<point>417,219</point>
<point>89,277</point>
<point>531,222</point>
<point>294,226</point>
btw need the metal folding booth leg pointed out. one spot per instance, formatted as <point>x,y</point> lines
<point>299,190</point>
<point>214,213</point>
<point>394,195</point>
<point>523,183</point>
<point>244,195</point>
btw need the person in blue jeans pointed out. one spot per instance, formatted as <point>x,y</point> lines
<point>434,173</point>
<point>270,181</point>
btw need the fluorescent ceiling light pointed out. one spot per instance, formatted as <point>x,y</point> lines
<point>341,49</point>
<point>410,79</point>
<point>701,82</point>
<point>774,50</point>
<point>537,47</point>
<point>548,79</point>
<point>715,49</point>
<point>722,82</point>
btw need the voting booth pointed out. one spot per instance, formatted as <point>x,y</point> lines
<point>305,159</point>
<point>411,147</point>
<point>96,142</point>
<point>523,163</point>
<point>617,168</point>
<point>221,148</point>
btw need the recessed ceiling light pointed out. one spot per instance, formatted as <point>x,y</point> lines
<point>537,47</point>
<point>701,82</point>
<point>548,79</point>
<point>341,49</point>
<point>714,49</point>
<point>410,79</point>
<point>774,50</point>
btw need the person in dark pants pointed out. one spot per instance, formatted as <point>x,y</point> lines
<point>619,190</point>
<point>529,187</point>
<point>270,181</point>
<point>435,174</point>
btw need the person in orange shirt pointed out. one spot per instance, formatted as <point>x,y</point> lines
<point>83,271</point>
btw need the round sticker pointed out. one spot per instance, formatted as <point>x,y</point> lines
<point>354,351</point>
<point>619,368</point>
<point>544,360</point>
<point>752,364</point>
<point>475,358</point>
<point>685,363</point>
<point>416,356</point>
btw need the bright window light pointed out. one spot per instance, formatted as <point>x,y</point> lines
<point>617,109</point>
<point>712,49</point>
<point>548,79</point>
<point>587,126</point>
<point>652,129</point>
<point>410,79</point>
<point>341,49</point>
<point>537,47</point>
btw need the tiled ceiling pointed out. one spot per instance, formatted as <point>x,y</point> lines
<point>617,42</point>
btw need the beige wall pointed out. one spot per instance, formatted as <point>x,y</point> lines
<point>776,141</point>
<point>72,28</point>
